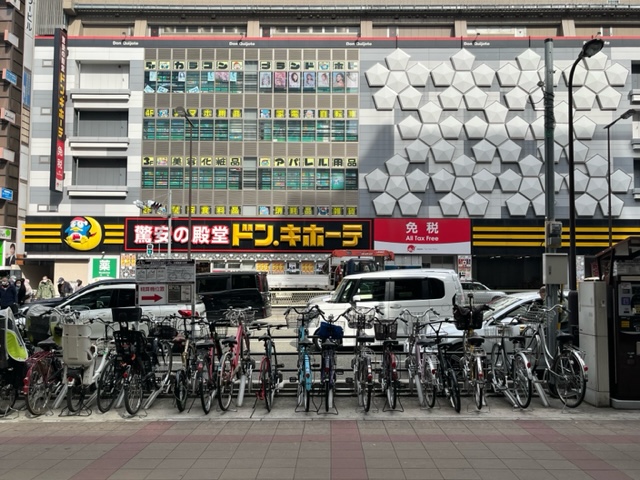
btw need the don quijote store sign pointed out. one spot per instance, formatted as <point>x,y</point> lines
<point>249,235</point>
<point>423,235</point>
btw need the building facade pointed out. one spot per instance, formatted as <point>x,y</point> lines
<point>273,135</point>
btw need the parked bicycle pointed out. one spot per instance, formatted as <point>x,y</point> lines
<point>361,318</point>
<point>510,367</point>
<point>236,364</point>
<point>564,371</point>
<point>386,331</point>
<point>422,359</point>
<point>13,357</point>
<point>185,376</point>
<point>441,373</point>
<point>330,336</point>
<point>271,379</point>
<point>299,320</point>
<point>209,353</point>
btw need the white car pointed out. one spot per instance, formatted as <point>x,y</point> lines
<point>481,293</point>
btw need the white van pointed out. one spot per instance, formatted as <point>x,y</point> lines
<point>392,291</point>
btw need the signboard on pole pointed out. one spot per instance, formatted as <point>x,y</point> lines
<point>165,281</point>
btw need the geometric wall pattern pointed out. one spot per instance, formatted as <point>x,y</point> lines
<point>466,179</point>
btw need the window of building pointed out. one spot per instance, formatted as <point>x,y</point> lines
<point>176,30</point>
<point>104,123</point>
<point>91,171</point>
<point>312,30</point>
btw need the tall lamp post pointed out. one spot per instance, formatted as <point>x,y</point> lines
<point>624,116</point>
<point>589,49</point>
<point>181,111</point>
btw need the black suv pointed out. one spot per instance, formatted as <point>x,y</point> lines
<point>238,289</point>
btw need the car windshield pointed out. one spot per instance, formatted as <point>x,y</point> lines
<point>499,304</point>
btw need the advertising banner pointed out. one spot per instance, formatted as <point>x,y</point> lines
<point>438,236</point>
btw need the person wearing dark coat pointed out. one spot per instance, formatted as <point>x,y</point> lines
<point>22,291</point>
<point>8,295</point>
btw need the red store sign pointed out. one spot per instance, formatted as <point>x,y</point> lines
<point>423,235</point>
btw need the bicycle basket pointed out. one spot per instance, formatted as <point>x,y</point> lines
<point>221,327</point>
<point>330,330</point>
<point>386,330</point>
<point>360,320</point>
<point>163,332</point>
<point>129,342</point>
<point>462,317</point>
<point>294,319</point>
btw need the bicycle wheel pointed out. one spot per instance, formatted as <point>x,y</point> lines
<point>328,396</point>
<point>109,386</point>
<point>570,382</point>
<point>498,369</point>
<point>182,389</point>
<point>75,395</point>
<point>429,382</point>
<point>165,360</point>
<point>205,386</point>
<point>39,392</point>
<point>392,384</point>
<point>225,382</point>
<point>8,395</point>
<point>452,390</point>
<point>365,384</point>
<point>134,394</point>
<point>477,375</point>
<point>522,385</point>
<point>266,384</point>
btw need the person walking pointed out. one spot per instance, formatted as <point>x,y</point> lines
<point>8,295</point>
<point>22,291</point>
<point>45,289</point>
<point>28,291</point>
<point>64,288</point>
<point>77,286</point>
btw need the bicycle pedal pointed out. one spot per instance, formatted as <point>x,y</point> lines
<point>280,365</point>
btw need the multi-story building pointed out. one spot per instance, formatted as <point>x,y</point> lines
<point>276,132</point>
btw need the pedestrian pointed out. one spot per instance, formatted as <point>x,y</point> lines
<point>78,285</point>
<point>64,288</point>
<point>22,291</point>
<point>45,289</point>
<point>29,291</point>
<point>8,295</point>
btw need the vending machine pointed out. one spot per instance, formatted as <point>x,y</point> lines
<point>620,267</point>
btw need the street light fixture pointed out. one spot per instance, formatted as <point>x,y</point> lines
<point>157,207</point>
<point>628,114</point>
<point>589,49</point>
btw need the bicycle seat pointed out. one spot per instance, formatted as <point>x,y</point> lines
<point>205,344</point>
<point>329,342</point>
<point>562,338</point>
<point>229,341</point>
<point>422,342</point>
<point>48,344</point>
<point>475,341</point>
<point>365,339</point>
<point>306,342</point>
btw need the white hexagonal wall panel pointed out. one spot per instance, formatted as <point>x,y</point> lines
<point>598,188</point>
<point>516,99</point>
<point>536,97</point>
<point>430,133</point>
<point>476,205</point>
<point>475,128</point>
<point>484,181</point>
<point>417,151</point>
<point>397,187</point>
<point>528,81</point>
<point>397,165</point>
<point>518,205</point>
<point>509,151</point>
<point>397,60</point>
<point>397,81</point>
<point>417,181</point>
<point>557,74</point>
<point>442,151</point>
<point>583,98</point>
<point>558,152</point>
<point>530,166</point>
<point>537,128</point>
<point>442,75</point>
<point>530,187</point>
<point>384,204</point>
<point>409,205</point>
<point>484,151</point>
<point>539,205</point>
<point>580,180</point>
<point>597,166</point>
<point>376,180</point>
<point>579,75</point>
<point>483,75</point>
<point>580,152</point>
<point>463,81</point>
<point>528,60</point>
<point>384,99</point>
<point>586,205</point>
<point>409,99</point>
<point>442,181</point>
<point>509,181</point>
<point>496,134</point>
<point>475,99</point>
<point>584,128</point>
<point>450,98</point>
<point>377,75</point>
<point>616,206</point>
<point>596,80</point>
<point>451,128</point>
<point>463,165</point>
<point>418,75</point>
<point>508,75</point>
<point>620,182</point>
<point>609,98</point>
<point>517,128</point>
<point>617,76</point>
<point>409,128</point>
<point>561,111</point>
<point>597,62</point>
<point>450,204</point>
<point>463,60</point>
<point>430,112</point>
<point>561,134</point>
<point>496,113</point>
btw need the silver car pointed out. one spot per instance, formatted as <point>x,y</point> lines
<point>481,293</point>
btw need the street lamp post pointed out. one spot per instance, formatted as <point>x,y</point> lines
<point>183,112</point>
<point>624,116</point>
<point>589,49</point>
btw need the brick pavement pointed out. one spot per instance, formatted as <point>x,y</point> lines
<point>318,447</point>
